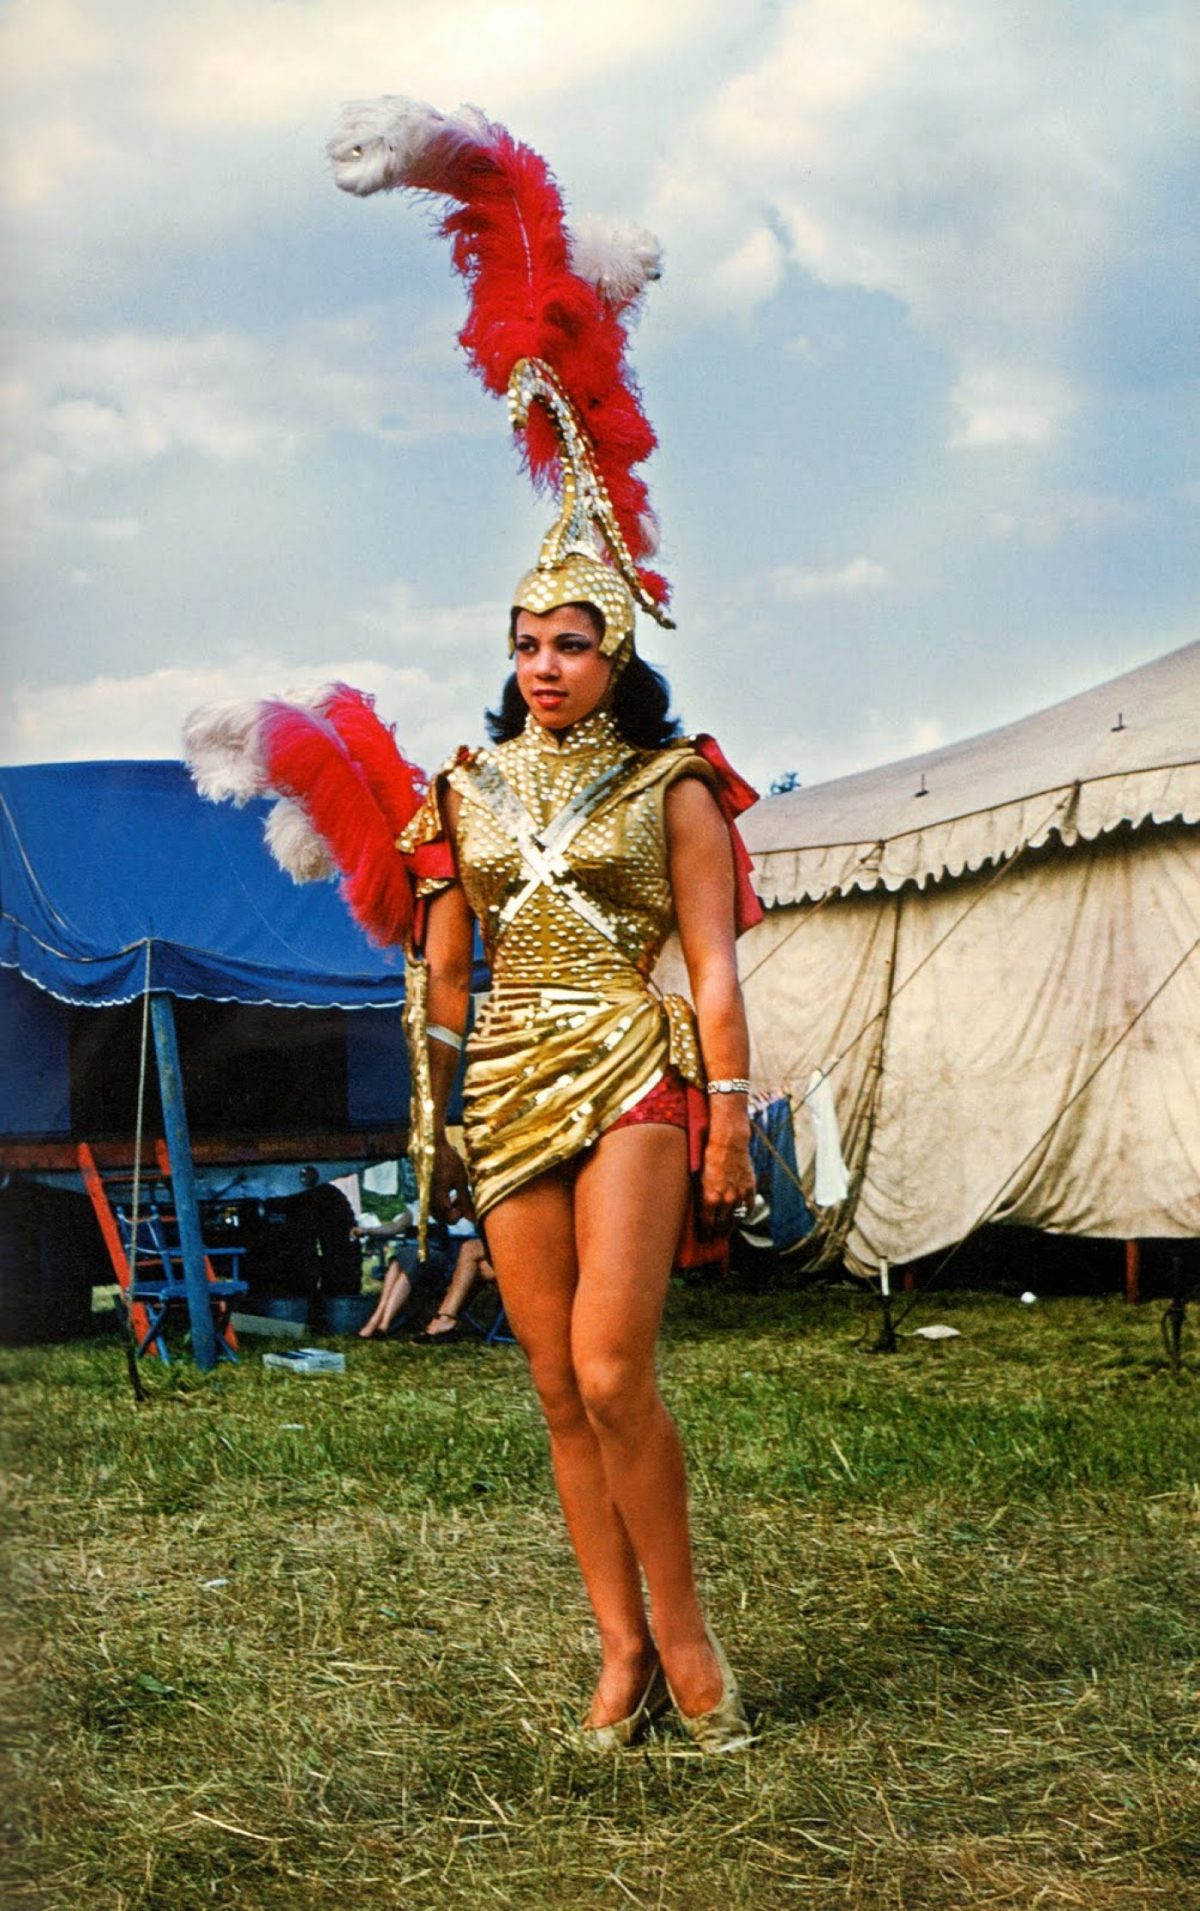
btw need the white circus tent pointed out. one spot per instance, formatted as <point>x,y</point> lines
<point>993,950</point>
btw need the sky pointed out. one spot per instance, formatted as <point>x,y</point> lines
<point>922,361</point>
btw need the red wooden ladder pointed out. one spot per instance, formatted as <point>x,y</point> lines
<point>93,1181</point>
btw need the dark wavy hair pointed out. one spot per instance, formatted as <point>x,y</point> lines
<point>641,704</point>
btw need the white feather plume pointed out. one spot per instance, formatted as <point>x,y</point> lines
<point>617,257</point>
<point>383,143</point>
<point>648,525</point>
<point>221,749</point>
<point>295,845</point>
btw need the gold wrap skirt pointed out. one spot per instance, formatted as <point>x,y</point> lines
<point>550,1068</point>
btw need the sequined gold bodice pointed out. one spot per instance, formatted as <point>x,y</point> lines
<point>617,860</point>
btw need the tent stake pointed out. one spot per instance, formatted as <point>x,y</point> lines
<point>1175,1315</point>
<point>886,1343</point>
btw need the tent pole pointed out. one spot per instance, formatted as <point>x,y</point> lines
<point>183,1181</point>
<point>1133,1272</point>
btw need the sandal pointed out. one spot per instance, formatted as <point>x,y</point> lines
<point>426,1339</point>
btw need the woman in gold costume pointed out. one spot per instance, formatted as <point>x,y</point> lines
<point>603,1120</point>
<point>578,849</point>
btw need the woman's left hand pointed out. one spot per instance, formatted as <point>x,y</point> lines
<point>451,1199</point>
<point>727,1177</point>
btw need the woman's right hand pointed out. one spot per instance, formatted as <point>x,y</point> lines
<point>451,1196</point>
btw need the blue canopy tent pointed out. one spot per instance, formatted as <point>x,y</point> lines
<point>270,1008</point>
<point>100,861</point>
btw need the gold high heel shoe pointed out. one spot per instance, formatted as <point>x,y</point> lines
<point>724,1727</point>
<point>622,1732</point>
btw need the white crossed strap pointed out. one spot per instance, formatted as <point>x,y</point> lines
<point>541,850</point>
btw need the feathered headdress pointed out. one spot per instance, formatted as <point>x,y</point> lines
<point>548,325</point>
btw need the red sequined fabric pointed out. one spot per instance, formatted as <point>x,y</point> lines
<point>665,1103</point>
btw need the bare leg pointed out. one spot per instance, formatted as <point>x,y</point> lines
<point>394,1295</point>
<point>630,1195</point>
<point>531,1240</point>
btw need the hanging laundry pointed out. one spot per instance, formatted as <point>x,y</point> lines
<point>773,1153</point>
<point>832,1176</point>
<point>347,1184</point>
<point>382,1177</point>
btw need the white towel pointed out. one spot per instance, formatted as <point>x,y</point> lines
<point>382,1177</point>
<point>832,1178</point>
<point>348,1184</point>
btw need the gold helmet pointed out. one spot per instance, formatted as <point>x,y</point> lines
<point>572,567</point>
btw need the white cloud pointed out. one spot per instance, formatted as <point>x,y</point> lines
<point>980,163</point>
<point>57,68</point>
<point>113,530</point>
<point>122,87</point>
<point>1009,405</point>
<point>817,756</point>
<point>64,152</point>
<point>847,580</point>
<point>399,619</point>
<point>751,273</point>
<point>142,715</point>
<point>263,62</point>
<point>79,406</point>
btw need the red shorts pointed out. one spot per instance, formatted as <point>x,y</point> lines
<point>665,1103</point>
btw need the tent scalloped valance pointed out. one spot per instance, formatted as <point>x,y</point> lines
<point>1070,813</point>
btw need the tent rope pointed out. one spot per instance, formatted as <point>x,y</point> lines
<point>839,1233</point>
<point>991,1205</point>
<point>834,892</point>
<point>136,1196</point>
<point>31,875</point>
<point>895,988</point>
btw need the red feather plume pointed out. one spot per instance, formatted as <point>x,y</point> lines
<point>397,785</point>
<point>307,760</point>
<point>509,243</point>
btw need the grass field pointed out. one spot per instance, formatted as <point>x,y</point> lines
<point>276,1642</point>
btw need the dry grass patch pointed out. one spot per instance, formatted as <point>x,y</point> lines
<point>278,1643</point>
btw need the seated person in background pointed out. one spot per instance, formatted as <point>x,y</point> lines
<point>328,1213</point>
<point>470,1265</point>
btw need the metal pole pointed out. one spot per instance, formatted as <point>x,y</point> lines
<point>183,1181</point>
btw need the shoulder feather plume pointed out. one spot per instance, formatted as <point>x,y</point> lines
<point>396,785</point>
<point>531,294</point>
<point>308,762</point>
<point>295,845</point>
<point>220,748</point>
<point>344,788</point>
